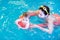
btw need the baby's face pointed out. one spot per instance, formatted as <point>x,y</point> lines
<point>25,20</point>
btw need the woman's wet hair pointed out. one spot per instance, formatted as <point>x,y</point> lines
<point>47,11</point>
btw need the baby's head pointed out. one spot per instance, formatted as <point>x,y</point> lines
<point>25,14</point>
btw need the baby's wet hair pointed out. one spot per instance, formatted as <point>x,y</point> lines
<point>25,14</point>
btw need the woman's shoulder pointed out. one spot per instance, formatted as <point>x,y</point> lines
<point>51,17</point>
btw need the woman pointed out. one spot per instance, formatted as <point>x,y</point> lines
<point>52,20</point>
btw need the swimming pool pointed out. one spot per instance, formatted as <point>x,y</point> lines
<point>10,10</point>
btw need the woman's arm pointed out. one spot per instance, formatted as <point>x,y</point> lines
<point>50,26</point>
<point>33,13</point>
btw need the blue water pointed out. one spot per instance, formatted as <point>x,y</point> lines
<point>10,10</point>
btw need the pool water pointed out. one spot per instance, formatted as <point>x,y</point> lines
<point>10,10</point>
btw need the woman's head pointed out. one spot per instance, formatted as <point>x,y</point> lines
<point>44,10</point>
